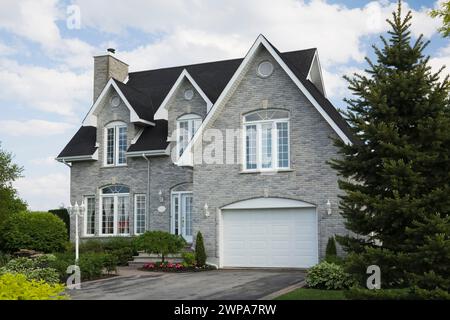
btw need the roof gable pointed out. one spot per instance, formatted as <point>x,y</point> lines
<point>297,76</point>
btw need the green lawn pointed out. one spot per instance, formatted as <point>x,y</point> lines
<point>313,294</point>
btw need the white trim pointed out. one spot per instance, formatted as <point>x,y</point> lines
<point>116,126</point>
<point>85,198</point>
<point>93,156</point>
<point>308,77</point>
<point>172,214</point>
<point>135,212</point>
<point>137,136</point>
<point>115,213</point>
<point>91,119</point>
<point>161,152</point>
<point>268,203</point>
<point>162,112</point>
<point>188,159</point>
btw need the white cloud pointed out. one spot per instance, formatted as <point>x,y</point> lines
<point>46,161</point>
<point>442,58</point>
<point>199,30</point>
<point>34,128</point>
<point>44,192</point>
<point>45,89</point>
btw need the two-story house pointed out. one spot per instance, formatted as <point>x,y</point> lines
<point>236,149</point>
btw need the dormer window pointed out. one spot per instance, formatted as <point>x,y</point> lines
<point>187,125</point>
<point>266,145</point>
<point>115,144</point>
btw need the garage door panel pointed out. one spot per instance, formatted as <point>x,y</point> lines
<point>270,238</point>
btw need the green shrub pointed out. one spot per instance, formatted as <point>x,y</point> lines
<point>33,269</point>
<point>18,287</point>
<point>378,294</point>
<point>64,216</point>
<point>200,253</point>
<point>91,245</point>
<point>160,242</point>
<point>188,259</point>
<point>4,258</point>
<point>41,231</point>
<point>122,248</point>
<point>328,276</point>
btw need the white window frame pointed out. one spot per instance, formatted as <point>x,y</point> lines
<point>115,197</point>
<point>85,234</point>
<point>182,232</point>
<point>258,124</point>
<point>116,125</point>
<point>193,120</point>
<point>135,211</point>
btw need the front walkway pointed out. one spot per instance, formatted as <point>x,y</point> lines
<point>207,285</point>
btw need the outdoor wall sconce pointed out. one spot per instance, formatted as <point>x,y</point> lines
<point>206,210</point>
<point>328,207</point>
<point>161,198</point>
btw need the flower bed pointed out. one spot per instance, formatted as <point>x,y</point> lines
<point>175,267</point>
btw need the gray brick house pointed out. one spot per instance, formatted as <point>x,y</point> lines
<point>236,149</point>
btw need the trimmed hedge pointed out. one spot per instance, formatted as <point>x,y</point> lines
<point>64,216</point>
<point>40,231</point>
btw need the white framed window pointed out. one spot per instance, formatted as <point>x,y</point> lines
<point>139,213</point>
<point>89,216</point>
<point>181,214</point>
<point>266,140</point>
<point>114,210</point>
<point>115,144</point>
<point>187,125</point>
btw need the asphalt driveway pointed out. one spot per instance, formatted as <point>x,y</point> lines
<point>208,285</point>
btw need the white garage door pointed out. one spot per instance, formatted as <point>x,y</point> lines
<point>270,238</point>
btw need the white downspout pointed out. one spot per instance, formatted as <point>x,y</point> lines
<point>147,221</point>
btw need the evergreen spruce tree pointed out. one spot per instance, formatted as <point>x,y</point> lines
<point>396,197</point>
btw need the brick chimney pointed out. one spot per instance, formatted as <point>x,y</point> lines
<point>107,67</point>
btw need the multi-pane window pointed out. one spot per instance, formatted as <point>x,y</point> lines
<point>139,213</point>
<point>116,144</point>
<point>90,216</point>
<point>114,206</point>
<point>266,140</point>
<point>187,125</point>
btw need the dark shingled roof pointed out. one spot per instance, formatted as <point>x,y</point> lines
<point>82,143</point>
<point>141,102</point>
<point>146,90</point>
<point>153,138</point>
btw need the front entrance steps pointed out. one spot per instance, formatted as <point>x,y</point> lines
<point>143,258</point>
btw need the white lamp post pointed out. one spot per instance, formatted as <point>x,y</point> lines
<point>76,211</point>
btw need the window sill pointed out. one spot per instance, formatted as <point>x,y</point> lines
<point>105,236</point>
<point>266,171</point>
<point>115,166</point>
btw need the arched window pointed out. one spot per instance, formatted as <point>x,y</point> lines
<point>266,145</point>
<point>115,143</point>
<point>187,125</point>
<point>114,204</point>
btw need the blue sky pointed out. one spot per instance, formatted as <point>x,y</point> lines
<point>46,64</point>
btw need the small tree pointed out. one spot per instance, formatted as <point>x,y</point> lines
<point>444,14</point>
<point>160,242</point>
<point>200,253</point>
<point>331,248</point>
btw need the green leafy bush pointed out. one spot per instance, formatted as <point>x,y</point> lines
<point>91,264</point>
<point>160,242</point>
<point>41,231</point>
<point>33,269</point>
<point>200,253</point>
<point>328,276</point>
<point>188,259</point>
<point>64,216</point>
<point>18,287</point>
<point>4,258</point>
<point>412,293</point>
<point>122,248</point>
<point>331,250</point>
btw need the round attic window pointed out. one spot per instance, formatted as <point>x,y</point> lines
<point>115,101</point>
<point>188,94</point>
<point>265,69</point>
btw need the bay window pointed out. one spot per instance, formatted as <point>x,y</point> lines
<point>266,144</point>
<point>115,144</point>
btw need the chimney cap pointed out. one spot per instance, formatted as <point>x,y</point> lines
<point>111,50</point>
